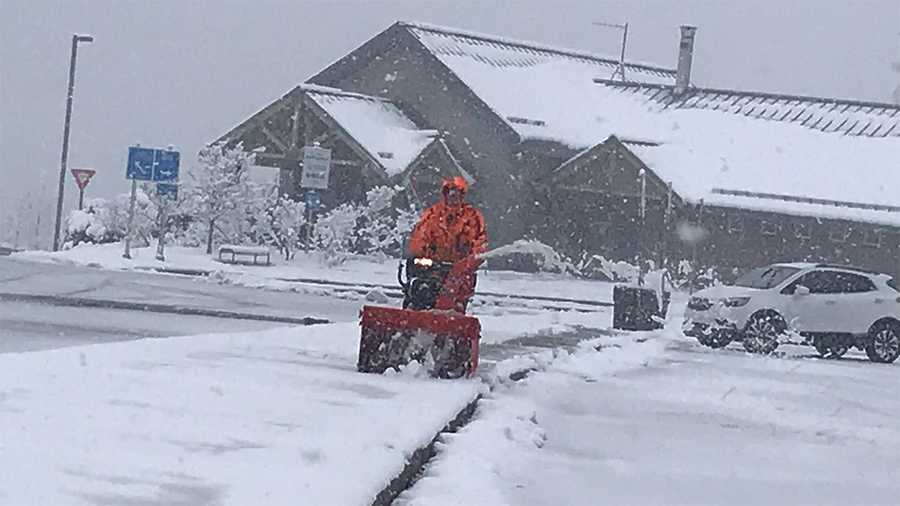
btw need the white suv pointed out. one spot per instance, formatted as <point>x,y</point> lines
<point>831,307</point>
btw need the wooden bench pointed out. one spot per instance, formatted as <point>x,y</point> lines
<point>236,252</point>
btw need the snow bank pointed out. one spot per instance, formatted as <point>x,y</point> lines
<point>276,417</point>
<point>548,260</point>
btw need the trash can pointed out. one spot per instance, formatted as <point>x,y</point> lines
<point>634,308</point>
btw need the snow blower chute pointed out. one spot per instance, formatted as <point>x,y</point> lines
<point>431,328</point>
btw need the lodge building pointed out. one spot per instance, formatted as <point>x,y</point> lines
<point>560,151</point>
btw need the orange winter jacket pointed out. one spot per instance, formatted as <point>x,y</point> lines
<point>448,234</point>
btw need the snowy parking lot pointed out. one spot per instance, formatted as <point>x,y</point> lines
<point>281,416</point>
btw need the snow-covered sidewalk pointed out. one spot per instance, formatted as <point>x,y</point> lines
<point>274,417</point>
<point>667,421</point>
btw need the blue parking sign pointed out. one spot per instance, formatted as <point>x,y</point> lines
<point>140,163</point>
<point>169,190</point>
<point>166,167</point>
<point>312,199</point>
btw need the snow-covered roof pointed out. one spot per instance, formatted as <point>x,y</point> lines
<point>849,117</point>
<point>376,124</point>
<point>540,91</point>
<point>738,161</point>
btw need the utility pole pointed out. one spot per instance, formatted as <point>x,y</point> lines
<point>620,71</point>
<point>64,158</point>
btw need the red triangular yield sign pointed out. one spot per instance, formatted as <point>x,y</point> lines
<point>83,177</point>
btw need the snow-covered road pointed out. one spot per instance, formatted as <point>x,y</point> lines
<point>18,276</point>
<point>26,326</point>
<point>29,326</point>
<point>670,422</point>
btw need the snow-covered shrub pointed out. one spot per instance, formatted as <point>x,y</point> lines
<point>379,226</point>
<point>104,221</point>
<point>336,233</point>
<point>597,266</point>
<point>84,227</point>
<point>529,255</point>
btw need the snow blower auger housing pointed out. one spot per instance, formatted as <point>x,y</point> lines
<point>431,328</point>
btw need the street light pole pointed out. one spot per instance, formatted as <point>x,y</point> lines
<point>65,143</point>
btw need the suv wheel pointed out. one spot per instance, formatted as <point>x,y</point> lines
<point>884,344</point>
<point>829,347</point>
<point>762,332</point>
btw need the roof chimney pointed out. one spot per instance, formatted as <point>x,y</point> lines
<point>685,57</point>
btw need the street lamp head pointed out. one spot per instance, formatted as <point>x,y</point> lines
<point>84,38</point>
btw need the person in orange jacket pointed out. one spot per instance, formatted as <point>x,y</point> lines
<point>451,230</point>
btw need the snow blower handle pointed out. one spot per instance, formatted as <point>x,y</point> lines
<point>417,261</point>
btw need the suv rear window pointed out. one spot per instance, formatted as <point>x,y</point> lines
<point>766,277</point>
<point>893,284</point>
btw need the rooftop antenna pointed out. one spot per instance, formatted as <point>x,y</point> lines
<point>620,71</point>
<point>896,67</point>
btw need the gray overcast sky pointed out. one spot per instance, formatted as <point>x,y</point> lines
<point>183,72</point>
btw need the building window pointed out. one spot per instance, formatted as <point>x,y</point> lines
<point>769,228</point>
<point>735,225</point>
<point>802,231</point>
<point>873,238</point>
<point>839,233</point>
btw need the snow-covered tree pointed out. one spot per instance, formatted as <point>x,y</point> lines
<point>280,223</point>
<point>220,189</point>
<point>166,209</point>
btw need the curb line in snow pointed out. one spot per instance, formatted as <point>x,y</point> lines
<point>483,294</point>
<point>420,458</point>
<point>176,270</point>
<point>57,300</point>
<point>363,288</point>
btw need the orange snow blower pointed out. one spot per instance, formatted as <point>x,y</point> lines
<point>431,328</point>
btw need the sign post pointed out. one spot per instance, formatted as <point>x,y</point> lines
<point>166,177</point>
<point>316,171</point>
<point>82,178</point>
<point>147,164</point>
<point>166,193</point>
